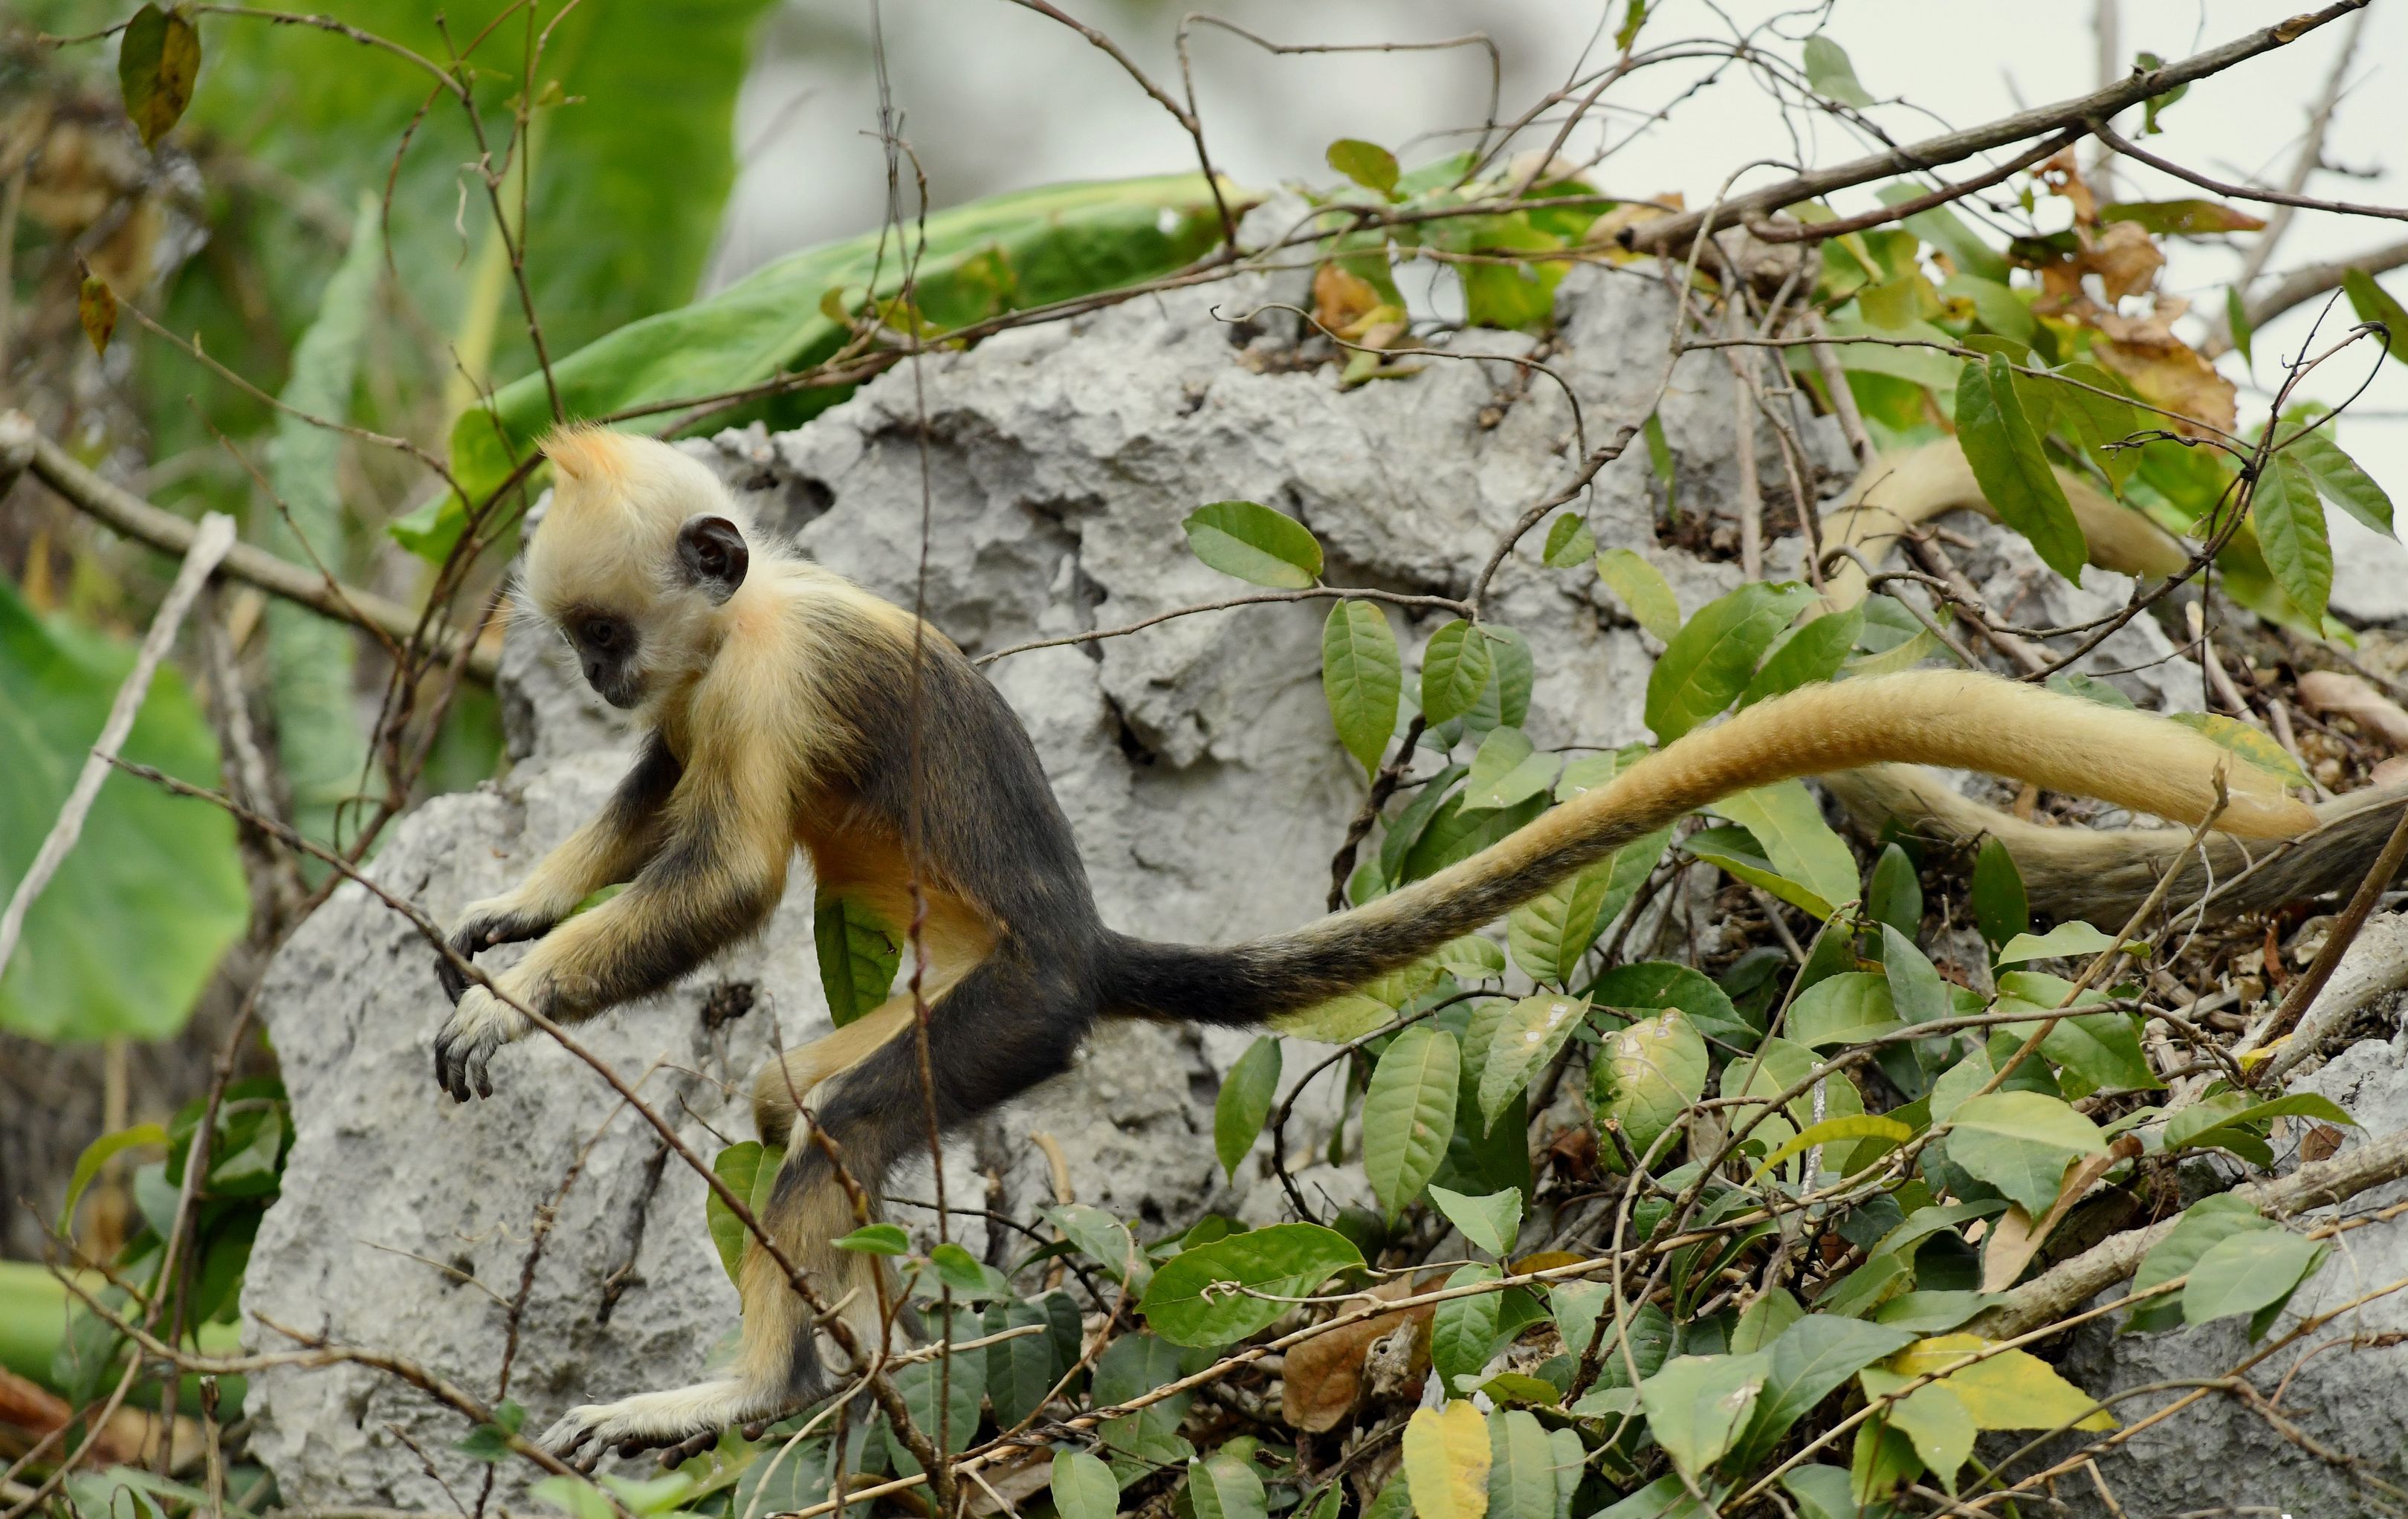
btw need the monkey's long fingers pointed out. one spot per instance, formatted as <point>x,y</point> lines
<point>686,1449</point>
<point>454,985</point>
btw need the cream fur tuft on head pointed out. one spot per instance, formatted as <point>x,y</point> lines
<point>618,499</point>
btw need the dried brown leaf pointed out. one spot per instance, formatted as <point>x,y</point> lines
<point>1322,1379</point>
<point>97,308</point>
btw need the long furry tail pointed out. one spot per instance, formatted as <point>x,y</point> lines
<point>1948,718</point>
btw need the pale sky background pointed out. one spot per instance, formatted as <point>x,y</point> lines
<point>997,97</point>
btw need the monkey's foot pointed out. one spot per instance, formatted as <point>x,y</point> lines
<point>481,1025</point>
<point>687,1420</point>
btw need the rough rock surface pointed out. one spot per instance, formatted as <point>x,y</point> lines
<point>1059,462</point>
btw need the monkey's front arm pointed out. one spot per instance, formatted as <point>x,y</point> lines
<point>715,866</point>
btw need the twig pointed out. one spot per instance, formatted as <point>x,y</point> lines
<point>2241,191</point>
<point>210,541</point>
<point>1672,233</point>
<point>2307,160</point>
<point>2302,285</point>
<point>2345,929</point>
<point>1315,592</point>
<point>139,519</point>
<point>1767,231</point>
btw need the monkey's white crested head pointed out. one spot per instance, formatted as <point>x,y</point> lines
<point>640,548</point>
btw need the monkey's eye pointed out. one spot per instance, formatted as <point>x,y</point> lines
<point>601,632</point>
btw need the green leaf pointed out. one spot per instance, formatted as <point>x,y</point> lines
<point>1493,1223</point>
<point>1570,542</point>
<point>1814,652</point>
<point>2203,1225</point>
<point>2252,1271</point>
<point>1084,1487</point>
<point>2341,482</point>
<point>1251,541</point>
<point>1661,983</point>
<point>1103,1239</point>
<point>1829,74</point>
<point>1020,1374</point>
<point>2005,455</point>
<point>1367,163</point>
<point>1642,589</point>
<point>1446,1462</point>
<point>1455,667</point>
<point>1223,1487</point>
<point>2067,941</point>
<point>2372,303</point>
<point>1550,933</point>
<point>1507,769</point>
<point>1822,1492</point>
<point>2150,107</point>
<point>970,1279</point>
<point>1644,1076</point>
<point>1849,1127</point>
<point>1409,1115</point>
<point>158,63</point>
<point>1659,460</point>
<point>2020,1143</point>
<point>858,952</point>
<point>1204,1297</point>
<point>1522,1476</point>
<point>942,1396</point>
<point>1713,657</point>
<point>1245,1102</point>
<point>1463,1329</point>
<point>1843,1008</point>
<point>1131,1367</point>
<point>132,925</point>
<point>1005,253</point>
<point>2236,320</point>
<point>1917,993</point>
<point>313,659</point>
<point>1999,907</point>
<point>2289,517</point>
<point>97,1154</point>
<point>876,1240</point>
<point>1529,1036</point>
<point>1789,823</point>
<point>1363,676</point>
<point>1813,1358</point>
<point>1895,896</point>
<point>2249,743</point>
<point>1697,1406</point>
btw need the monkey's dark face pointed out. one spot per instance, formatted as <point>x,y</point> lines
<point>606,648</point>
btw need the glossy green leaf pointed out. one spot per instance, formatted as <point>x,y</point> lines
<point>876,1240</point>
<point>1712,659</point>
<point>1084,1487</point>
<point>1811,1358</point>
<point>2205,1224</point>
<point>1999,907</point>
<point>1020,1374</point>
<point>1641,1077</point>
<point>1464,1329</point>
<point>2290,517</point>
<point>1894,895</point>
<point>1643,590</point>
<point>1493,1223</point>
<point>1363,676</point>
<point>1697,1406</point>
<point>98,1153</point>
<point>131,929</point>
<point>1103,1239</point>
<point>2341,482</point>
<point>750,1168</point>
<point>1207,1297</point>
<point>1507,769</point>
<point>1251,541</point>
<point>1529,1036</point>
<point>1789,823</point>
<point>1522,1476</point>
<point>2247,740</point>
<point>859,954</point>
<point>1455,669</point>
<point>2020,1143</point>
<point>1570,542</point>
<point>2013,473</point>
<point>1844,1008</point>
<point>1409,1115</point>
<point>1814,652</point>
<point>1245,1102</point>
<point>1367,163</point>
<point>2067,941</point>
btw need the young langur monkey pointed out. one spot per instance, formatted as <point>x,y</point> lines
<point>775,699</point>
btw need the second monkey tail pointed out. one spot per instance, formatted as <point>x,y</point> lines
<point>1950,718</point>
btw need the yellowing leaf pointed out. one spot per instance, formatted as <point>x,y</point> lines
<point>1446,1462</point>
<point>2011,1389</point>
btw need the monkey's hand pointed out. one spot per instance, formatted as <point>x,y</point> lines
<point>481,925</point>
<point>479,1024</point>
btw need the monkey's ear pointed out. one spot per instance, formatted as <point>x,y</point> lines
<point>713,554</point>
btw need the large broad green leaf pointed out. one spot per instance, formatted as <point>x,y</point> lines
<point>2341,480</point>
<point>1363,678</point>
<point>1550,933</point>
<point>1788,824</point>
<point>1844,1008</point>
<point>1251,541</point>
<point>311,657</point>
<point>1084,1487</point>
<point>2020,1143</point>
<point>1814,652</point>
<point>1528,1035</point>
<point>1712,659</point>
<point>1522,1478</point>
<point>2252,1271</point>
<point>1697,1406</point>
<point>1493,1221</point>
<point>2290,517</point>
<point>1021,1372</point>
<point>1662,983</point>
<point>1810,1360</point>
<point>1129,1367</point>
<point>1639,584</point>
<point>1005,253</point>
<point>859,954</point>
<point>1463,1329</point>
<point>1223,1487</point>
<point>2004,452</point>
<point>1455,667</point>
<point>1245,1102</point>
<point>128,931</point>
<point>1509,769</point>
<point>1409,1113</point>
<point>1218,1293</point>
<point>2203,1225</point>
<point>1644,1076</point>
